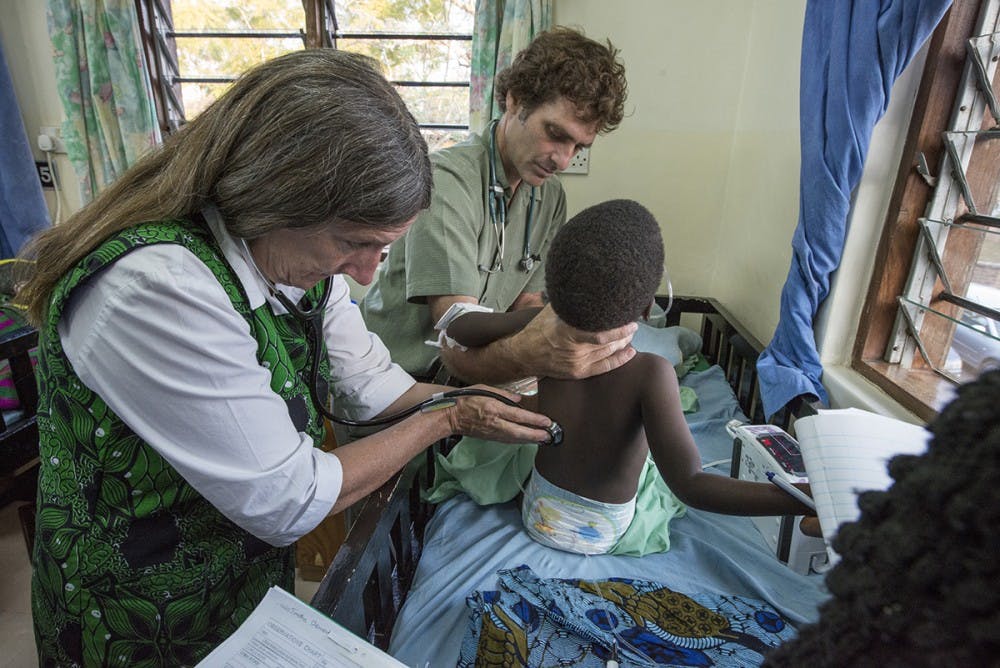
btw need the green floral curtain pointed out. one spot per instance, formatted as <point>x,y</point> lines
<point>502,28</point>
<point>104,87</point>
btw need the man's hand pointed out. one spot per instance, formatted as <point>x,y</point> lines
<point>550,347</point>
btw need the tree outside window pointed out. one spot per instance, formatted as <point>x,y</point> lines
<point>424,47</point>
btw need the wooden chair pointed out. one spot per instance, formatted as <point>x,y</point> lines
<point>19,430</point>
<point>315,551</point>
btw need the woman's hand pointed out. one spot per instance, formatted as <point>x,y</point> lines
<point>550,347</point>
<point>494,420</point>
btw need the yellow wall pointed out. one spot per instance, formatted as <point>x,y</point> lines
<point>710,142</point>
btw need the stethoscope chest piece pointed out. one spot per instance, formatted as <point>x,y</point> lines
<point>527,263</point>
<point>555,434</point>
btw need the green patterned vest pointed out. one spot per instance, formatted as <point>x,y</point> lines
<point>132,567</point>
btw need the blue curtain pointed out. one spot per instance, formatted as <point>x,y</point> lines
<point>22,205</point>
<point>852,53</point>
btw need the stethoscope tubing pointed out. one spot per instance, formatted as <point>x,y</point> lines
<point>312,321</point>
<point>496,205</point>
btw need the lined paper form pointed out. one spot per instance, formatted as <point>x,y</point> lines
<point>284,632</point>
<point>846,452</point>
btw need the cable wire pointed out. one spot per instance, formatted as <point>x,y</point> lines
<point>55,187</point>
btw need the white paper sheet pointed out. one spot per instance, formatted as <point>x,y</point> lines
<point>845,452</point>
<point>284,632</point>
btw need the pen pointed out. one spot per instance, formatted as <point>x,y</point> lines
<point>791,489</point>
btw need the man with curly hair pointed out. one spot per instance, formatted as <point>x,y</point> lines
<point>918,583</point>
<point>604,267</point>
<point>495,209</point>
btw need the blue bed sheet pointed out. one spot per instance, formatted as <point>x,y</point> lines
<point>466,544</point>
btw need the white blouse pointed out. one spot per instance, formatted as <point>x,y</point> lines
<point>156,336</point>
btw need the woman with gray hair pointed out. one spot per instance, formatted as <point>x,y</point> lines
<point>193,326</point>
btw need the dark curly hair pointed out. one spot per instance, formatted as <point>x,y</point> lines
<point>919,582</point>
<point>562,62</point>
<point>605,265</point>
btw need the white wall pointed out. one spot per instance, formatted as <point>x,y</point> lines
<point>25,37</point>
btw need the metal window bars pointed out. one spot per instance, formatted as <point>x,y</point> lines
<point>159,37</point>
<point>954,213</point>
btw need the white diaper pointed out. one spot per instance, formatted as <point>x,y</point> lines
<point>566,521</point>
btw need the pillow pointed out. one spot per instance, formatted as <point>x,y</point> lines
<point>675,343</point>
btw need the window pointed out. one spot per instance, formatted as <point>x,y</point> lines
<point>196,48</point>
<point>930,319</point>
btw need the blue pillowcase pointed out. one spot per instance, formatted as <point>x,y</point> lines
<point>677,344</point>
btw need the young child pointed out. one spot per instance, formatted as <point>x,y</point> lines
<point>602,271</point>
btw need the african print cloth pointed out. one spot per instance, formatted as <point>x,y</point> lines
<point>556,622</point>
<point>131,566</point>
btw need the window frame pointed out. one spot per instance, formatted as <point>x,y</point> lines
<point>918,388</point>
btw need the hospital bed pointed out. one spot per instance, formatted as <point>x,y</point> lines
<point>401,577</point>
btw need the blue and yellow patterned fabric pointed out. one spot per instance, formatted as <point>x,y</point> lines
<point>556,622</point>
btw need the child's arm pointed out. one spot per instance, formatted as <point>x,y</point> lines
<point>679,462</point>
<point>480,329</point>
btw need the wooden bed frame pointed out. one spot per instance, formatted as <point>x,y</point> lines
<point>367,583</point>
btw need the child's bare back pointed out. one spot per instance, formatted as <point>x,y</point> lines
<point>604,444</point>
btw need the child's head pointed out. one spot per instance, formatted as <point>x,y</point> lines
<point>919,582</point>
<point>605,265</point>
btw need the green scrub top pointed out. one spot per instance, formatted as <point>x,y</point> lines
<point>449,247</point>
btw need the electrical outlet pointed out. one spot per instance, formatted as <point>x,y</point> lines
<point>50,139</point>
<point>580,164</point>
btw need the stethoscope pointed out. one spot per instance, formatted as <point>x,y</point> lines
<point>311,320</point>
<point>496,204</point>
